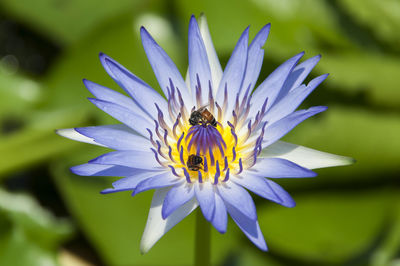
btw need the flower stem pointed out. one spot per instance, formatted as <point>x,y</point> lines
<point>202,241</point>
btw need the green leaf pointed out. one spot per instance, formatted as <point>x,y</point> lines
<point>18,93</point>
<point>379,17</point>
<point>326,227</point>
<point>29,234</point>
<point>391,243</point>
<point>66,22</point>
<point>364,73</point>
<point>249,255</point>
<point>37,141</point>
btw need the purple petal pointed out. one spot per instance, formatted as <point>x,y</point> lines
<point>205,196</point>
<point>249,227</point>
<point>272,85</point>
<point>144,95</point>
<point>278,129</point>
<point>90,169</point>
<point>279,168</point>
<point>163,67</point>
<point>255,59</point>
<point>132,120</point>
<point>298,75</point>
<point>220,218</point>
<point>106,94</point>
<point>118,137</point>
<point>257,185</point>
<point>130,182</point>
<point>165,179</point>
<point>103,59</point>
<point>287,200</point>
<point>198,60</point>
<point>238,198</point>
<point>260,186</point>
<point>134,159</point>
<point>234,71</point>
<point>177,197</point>
<point>292,100</point>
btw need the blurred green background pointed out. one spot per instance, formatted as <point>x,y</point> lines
<point>345,216</point>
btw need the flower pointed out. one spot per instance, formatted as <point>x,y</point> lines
<point>211,140</point>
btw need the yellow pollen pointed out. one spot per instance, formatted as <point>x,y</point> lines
<point>209,171</point>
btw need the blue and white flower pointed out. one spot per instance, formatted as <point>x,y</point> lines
<point>242,152</point>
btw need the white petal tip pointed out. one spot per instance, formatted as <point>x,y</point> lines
<point>202,17</point>
<point>71,133</point>
<point>345,161</point>
<point>144,248</point>
<point>305,157</point>
<point>150,237</point>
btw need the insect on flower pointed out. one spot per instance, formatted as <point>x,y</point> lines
<point>194,162</point>
<point>211,139</point>
<point>202,115</point>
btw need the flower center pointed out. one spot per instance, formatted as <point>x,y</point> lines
<point>201,146</point>
<point>214,151</point>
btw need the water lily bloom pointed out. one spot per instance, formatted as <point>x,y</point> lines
<point>211,139</point>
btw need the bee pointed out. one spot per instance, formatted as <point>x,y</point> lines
<point>202,115</point>
<point>194,162</point>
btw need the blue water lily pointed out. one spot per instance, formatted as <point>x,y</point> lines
<point>210,138</point>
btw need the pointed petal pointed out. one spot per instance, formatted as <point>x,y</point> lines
<point>165,179</point>
<point>215,66</point>
<point>163,67</point>
<point>71,133</point>
<point>279,168</point>
<point>90,169</point>
<point>205,196</point>
<point>106,94</point>
<point>220,217</point>
<point>130,182</point>
<point>156,226</point>
<point>198,62</point>
<point>134,159</point>
<point>103,59</point>
<point>144,95</point>
<point>132,120</point>
<point>306,157</point>
<point>260,186</point>
<point>176,197</point>
<point>292,100</point>
<point>287,200</point>
<point>250,227</point>
<point>238,198</point>
<point>118,137</point>
<point>298,75</point>
<point>272,85</point>
<point>281,127</point>
<point>234,72</point>
<point>255,59</point>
